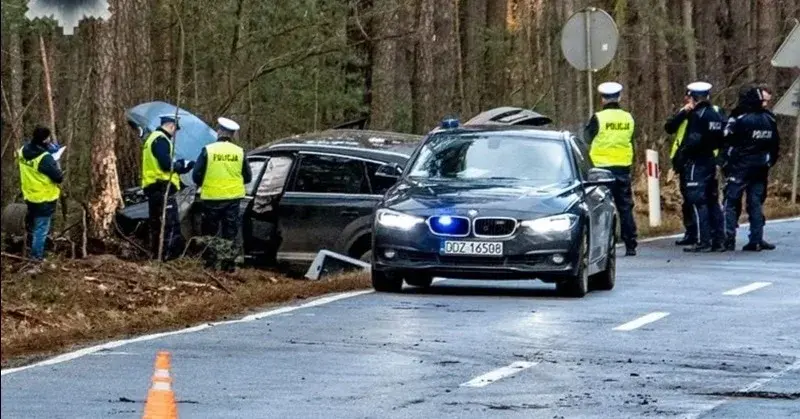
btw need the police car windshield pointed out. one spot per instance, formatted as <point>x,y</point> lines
<point>492,157</point>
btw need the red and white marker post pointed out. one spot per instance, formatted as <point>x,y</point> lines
<point>653,188</point>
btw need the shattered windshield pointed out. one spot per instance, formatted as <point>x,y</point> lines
<point>490,156</point>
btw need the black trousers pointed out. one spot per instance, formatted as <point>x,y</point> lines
<point>622,192</point>
<point>687,212</point>
<point>755,185</point>
<point>702,193</point>
<point>173,240</point>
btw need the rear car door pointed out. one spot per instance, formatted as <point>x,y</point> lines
<point>326,194</point>
<point>260,207</point>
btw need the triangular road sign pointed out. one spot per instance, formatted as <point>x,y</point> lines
<point>789,104</point>
<point>788,55</point>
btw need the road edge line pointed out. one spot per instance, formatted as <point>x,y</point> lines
<point>673,236</point>
<point>69,356</point>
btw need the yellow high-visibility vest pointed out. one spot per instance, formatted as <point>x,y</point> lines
<point>223,177</point>
<point>36,186</point>
<point>613,144</point>
<point>681,133</point>
<point>151,171</point>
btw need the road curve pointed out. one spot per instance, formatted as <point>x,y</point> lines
<point>682,335</point>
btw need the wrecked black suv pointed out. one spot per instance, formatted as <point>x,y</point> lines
<point>319,188</point>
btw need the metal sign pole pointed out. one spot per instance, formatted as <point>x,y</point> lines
<point>587,14</point>
<point>796,158</point>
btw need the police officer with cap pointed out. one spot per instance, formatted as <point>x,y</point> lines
<point>222,173</point>
<point>698,129</point>
<point>160,177</point>
<point>751,149</point>
<point>610,134</point>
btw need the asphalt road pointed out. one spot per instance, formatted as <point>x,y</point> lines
<point>666,342</point>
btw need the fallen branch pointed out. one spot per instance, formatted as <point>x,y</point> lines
<point>9,255</point>
<point>25,316</point>
<point>219,282</point>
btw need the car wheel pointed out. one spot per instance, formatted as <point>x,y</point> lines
<point>13,219</point>
<point>605,280</point>
<point>577,285</point>
<point>386,282</point>
<point>423,281</point>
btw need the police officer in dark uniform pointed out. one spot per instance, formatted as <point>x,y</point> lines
<point>699,128</point>
<point>160,177</point>
<point>752,146</point>
<point>610,134</point>
<point>222,173</point>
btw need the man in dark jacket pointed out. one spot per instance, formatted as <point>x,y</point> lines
<point>40,176</point>
<point>699,131</point>
<point>160,177</point>
<point>751,148</point>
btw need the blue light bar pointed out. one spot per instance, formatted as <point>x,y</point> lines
<point>448,123</point>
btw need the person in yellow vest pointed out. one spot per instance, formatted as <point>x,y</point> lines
<point>610,135</point>
<point>221,173</point>
<point>160,177</point>
<point>39,176</point>
<point>699,130</point>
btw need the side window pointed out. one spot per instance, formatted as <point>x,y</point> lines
<point>580,159</point>
<point>255,168</point>
<point>380,184</point>
<point>330,174</point>
<point>272,182</point>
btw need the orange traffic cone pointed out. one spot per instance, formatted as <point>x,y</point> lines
<point>160,402</point>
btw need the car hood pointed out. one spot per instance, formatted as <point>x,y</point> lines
<point>457,197</point>
<point>191,138</point>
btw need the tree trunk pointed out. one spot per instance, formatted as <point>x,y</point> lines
<point>126,91</point>
<point>15,65</point>
<point>689,39</point>
<point>382,98</point>
<point>423,86</point>
<point>662,57</point>
<point>445,69</point>
<point>495,74</point>
<point>104,196</point>
<point>473,50</point>
<point>768,39</point>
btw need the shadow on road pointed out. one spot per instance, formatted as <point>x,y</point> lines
<point>481,290</point>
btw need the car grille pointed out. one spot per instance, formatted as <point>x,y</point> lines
<point>494,227</point>
<point>479,261</point>
<point>445,225</point>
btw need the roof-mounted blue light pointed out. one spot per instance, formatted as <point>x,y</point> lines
<point>449,123</point>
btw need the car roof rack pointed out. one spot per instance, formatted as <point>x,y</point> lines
<point>510,115</point>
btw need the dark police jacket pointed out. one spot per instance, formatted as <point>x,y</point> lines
<point>751,141</point>
<point>704,135</point>
<point>49,168</point>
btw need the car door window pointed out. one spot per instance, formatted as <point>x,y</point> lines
<point>580,159</point>
<point>255,168</point>
<point>379,184</point>
<point>272,183</point>
<point>330,174</point>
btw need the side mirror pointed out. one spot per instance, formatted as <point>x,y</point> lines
<point>389,170</point>
<point>598,177</point>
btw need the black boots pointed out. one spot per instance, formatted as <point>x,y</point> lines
<point>757,247</point>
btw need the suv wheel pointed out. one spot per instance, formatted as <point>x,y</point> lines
<point>577,285</point>
<point>386,281</point>
<point>605,280</point>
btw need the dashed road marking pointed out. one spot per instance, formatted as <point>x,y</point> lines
<point>641,321</point>
<point>747,288</point>
<point>500,373</point>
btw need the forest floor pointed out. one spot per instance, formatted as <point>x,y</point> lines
<point>75,302</point>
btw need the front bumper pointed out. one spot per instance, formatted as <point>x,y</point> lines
<point>525,256</point>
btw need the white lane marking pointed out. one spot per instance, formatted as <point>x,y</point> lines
<point>755,385</point>
<point>743,225</point>
<point>117,343</point>
<point>492,376</point>
<point>641,321</point>
<point>104,353</point>
<point>747,288</point>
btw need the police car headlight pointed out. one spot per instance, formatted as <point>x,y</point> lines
<point>394,219</point>
<point>553,224</point>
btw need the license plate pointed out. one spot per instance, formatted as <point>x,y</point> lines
<point>472,248</point>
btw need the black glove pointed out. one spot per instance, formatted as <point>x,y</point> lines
<point>189,166</point>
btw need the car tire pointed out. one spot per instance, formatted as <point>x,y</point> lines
<point>13,219</point>
<point>577,286</point>
<point>422,281</point>
<point>366,256</point>
<point>386,282</point>
<point>604,281</point>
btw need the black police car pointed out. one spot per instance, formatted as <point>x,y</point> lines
<point>492,201</point>
<point>321,189</point>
